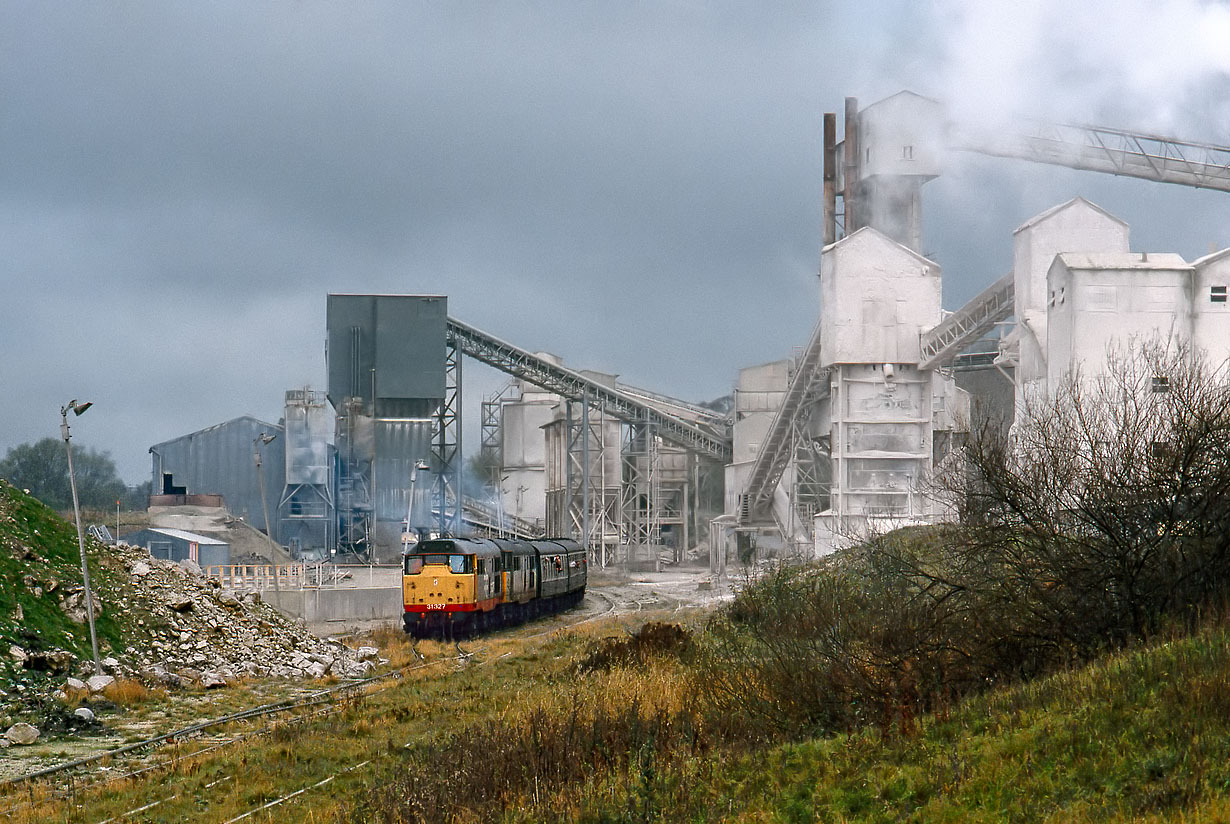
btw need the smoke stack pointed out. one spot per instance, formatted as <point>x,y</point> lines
<point>830,178</point>
<point>853,221</point>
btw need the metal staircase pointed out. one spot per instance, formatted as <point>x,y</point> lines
<point>574,386</point>
<point>966,325</point>
<point>808,383</point>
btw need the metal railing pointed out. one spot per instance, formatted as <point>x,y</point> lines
<point>266,577</point>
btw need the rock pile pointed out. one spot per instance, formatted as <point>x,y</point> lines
<point>186,629</point>
<point>182,629</point>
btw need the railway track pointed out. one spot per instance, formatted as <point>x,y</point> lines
<point>65,781</point>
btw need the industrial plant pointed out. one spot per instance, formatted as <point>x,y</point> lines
<point>835,442</point>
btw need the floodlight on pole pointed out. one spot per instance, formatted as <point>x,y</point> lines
<point>265,438</point>
<point>77,409</point>
<point>410,537</point>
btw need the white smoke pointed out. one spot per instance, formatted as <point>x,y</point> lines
<point>1137,64</point>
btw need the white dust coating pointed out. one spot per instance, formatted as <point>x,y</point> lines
<point>1142,64</point>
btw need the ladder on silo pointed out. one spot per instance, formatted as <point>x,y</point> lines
<point>966,325</point>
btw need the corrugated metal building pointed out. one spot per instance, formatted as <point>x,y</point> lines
<point>388,380</point>
<point>220,460</point>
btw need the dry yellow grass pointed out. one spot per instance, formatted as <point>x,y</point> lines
<point>127,692</point>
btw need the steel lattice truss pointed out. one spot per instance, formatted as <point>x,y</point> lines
<point>446,448</point>
<point>640,492</point>
<point>968,324</point>
<point>592,515</point>
<point>574,386</point>
<point>1112,151</point>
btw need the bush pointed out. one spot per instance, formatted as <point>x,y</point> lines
<point>1106,516</point>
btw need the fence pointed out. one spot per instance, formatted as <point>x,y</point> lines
<point>266,577</point>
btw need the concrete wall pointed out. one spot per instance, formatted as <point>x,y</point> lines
<point>1074,226</point>
<point>1211,322</point>
<point>1100,301</point>
<point>317,606</point>
<point>876,296</point>
<point>883,411</point>
<point>758,394</point>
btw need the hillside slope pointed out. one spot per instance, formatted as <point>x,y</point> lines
<point>1142,735</point>
<point>156,621</point>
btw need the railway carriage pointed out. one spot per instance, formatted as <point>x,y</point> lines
<point>458,586</point>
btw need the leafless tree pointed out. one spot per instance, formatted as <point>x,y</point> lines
<point>1104,513</point>
<point>1108,507</point>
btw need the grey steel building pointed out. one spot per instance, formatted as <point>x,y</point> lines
<point>220,460</point>
<point>388,381</point>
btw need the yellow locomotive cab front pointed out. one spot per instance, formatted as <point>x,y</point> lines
<point>437,582</point>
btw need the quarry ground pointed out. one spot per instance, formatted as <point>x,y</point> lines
<point>627,597</point>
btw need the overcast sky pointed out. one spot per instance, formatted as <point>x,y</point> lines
<point>634,186</point>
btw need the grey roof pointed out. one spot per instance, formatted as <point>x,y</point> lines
<point>1122,260</point>
<point>1041,216</point>
<point>1210,258</point>
<point>266,424</point>
<point>184,535</point>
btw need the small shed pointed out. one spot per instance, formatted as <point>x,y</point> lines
<point>177,544</point>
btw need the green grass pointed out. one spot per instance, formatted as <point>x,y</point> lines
<point>1138,735</point>
<point>1143,735</point>
<point>38,548</point>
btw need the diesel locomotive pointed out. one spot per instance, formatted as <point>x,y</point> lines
<point>453,587</point>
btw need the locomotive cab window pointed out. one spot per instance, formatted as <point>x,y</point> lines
<point>413,564</point>
<point>459,564</point>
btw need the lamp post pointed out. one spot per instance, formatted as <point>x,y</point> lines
<point>499,502</point>
<point>78,409</point>
<point>409,537</point>
<point>266,439</point>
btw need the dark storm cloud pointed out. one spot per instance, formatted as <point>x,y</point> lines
<point>633,186</point>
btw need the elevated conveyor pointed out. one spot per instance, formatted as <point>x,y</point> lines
<point>491,521</point>
<point>950,338</point>
<point>808,383</point>
<point>574,386</point>
<point>1111,151</point>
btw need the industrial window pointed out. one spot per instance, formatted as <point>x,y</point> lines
<point>1161,383</point>
<point>1217,294</point>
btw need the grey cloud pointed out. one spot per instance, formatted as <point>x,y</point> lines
<point>634,187</point>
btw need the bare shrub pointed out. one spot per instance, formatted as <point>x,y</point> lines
<point>1109,509</point>
<point>1106,515</point>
